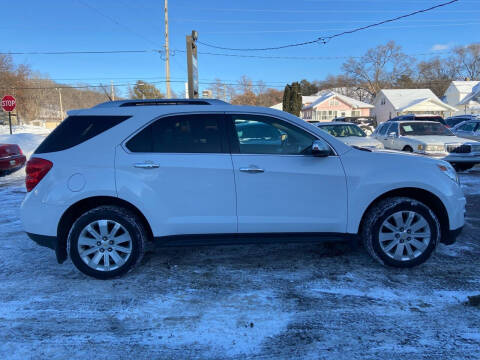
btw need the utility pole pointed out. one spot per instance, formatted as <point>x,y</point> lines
<point>112,91</point>
<point>167,53</point>
<point>192,65</point>
<point>61,104</point>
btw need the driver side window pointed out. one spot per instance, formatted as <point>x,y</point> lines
<point>267,135</point>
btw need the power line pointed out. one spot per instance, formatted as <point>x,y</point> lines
<point>118,23</point>
<point>90,52</point>
<point>336,29</point>
<point>236,83</point>
<point>328,38</point>
<point>174,52</point>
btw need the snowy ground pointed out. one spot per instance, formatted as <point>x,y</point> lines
<point>288,301</point>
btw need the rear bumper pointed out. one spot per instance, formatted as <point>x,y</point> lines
<point>12,162</point>
<point>451,236</point>
<point>50,242</point>
<point>43,240</point>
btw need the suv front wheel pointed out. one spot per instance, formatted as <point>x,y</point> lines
<point>107,241</point>
<point>400,232</point>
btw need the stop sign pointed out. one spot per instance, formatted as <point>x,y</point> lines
<point>8,103</point>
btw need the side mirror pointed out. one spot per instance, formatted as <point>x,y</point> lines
<point>320,149</point>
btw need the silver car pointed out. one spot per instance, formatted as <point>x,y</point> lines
<point>429,138</point>
<point>468,130</point>
<point>350,134</point>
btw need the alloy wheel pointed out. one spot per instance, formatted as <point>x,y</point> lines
<point>404,235</point>
<point>104,245</point>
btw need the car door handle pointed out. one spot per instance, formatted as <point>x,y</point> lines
<point>252,170</point>
<point>146,165</point>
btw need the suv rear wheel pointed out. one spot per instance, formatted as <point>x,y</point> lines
<point>107,241</point>
<point>400,232</point>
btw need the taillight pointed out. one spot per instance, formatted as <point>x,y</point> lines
<point>36,169</point>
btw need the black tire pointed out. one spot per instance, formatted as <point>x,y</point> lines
<point>462,166</point>
<point>131,223</point>
<point>376,216</point>
<point>407,149</point>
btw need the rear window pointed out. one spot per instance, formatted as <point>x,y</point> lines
<point>196,133</point>
<point>75,130</point>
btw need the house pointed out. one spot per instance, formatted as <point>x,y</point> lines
<point>465,96</point>
<point>331,104</point>
<point>393,102</point>
<point>306,100</point>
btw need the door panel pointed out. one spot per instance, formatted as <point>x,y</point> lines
<point>281,186</point>
<point>292,194</point>
<point>180,193</point>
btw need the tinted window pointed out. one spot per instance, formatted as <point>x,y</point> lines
<point>383,130</point>
<point>455,121</point>
<point>267,135</point>
<point>469,126</point>
<point>75,130</point>
<point>393,129</point>
<point>181,134</point>
<point>343,130</point>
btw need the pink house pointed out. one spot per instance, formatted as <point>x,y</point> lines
<point>331,105</point>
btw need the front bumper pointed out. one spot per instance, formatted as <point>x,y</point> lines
<point>455,158</point>
<point>451,236</point>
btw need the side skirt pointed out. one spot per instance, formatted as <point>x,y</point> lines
<point>240,239</point>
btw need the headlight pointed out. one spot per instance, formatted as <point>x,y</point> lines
<point>421,147</point>
<point>435,148</point>
<point>448,170</point>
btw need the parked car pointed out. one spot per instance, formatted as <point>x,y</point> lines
<point>418,117</point>
<point>468,129</point>
<point>367,124</point>
<point>111,179</point>
<point>455,120</point>
<point>11,158</point>
<point>429,138</point>
<point>350,134</point>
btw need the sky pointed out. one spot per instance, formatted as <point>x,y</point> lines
<point>103,25</point>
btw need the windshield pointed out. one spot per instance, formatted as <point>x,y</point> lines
<point>424,129</point>
<point>343,130</point>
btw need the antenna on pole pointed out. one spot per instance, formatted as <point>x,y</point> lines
<point>167,53</point>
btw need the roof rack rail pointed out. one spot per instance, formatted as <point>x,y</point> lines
<point>155,102</point>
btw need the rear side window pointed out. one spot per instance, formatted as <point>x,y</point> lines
<point>75,130</point>
<point>197,133</point>
<point>470,126</point>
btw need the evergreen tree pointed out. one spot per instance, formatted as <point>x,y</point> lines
<point>292,99</point>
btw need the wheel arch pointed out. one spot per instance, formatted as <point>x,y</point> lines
<point>82,206</point>
<point>424,196</point>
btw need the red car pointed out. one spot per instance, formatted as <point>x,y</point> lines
<point>11,158</point>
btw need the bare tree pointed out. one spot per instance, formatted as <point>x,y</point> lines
<point>380,67</point>
<point>467,60</point>
<point>436,74</point>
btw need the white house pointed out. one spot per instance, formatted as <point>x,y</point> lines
<point>465,96</point>
<point>393,102</point>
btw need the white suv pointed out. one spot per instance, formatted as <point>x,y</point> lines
<point>115,177</point>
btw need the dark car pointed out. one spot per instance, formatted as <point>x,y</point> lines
<point>11,158</point>
<point>455,120</point>
<point>413,117</point>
